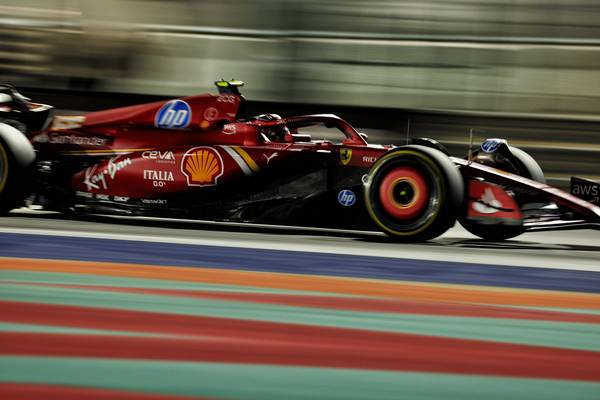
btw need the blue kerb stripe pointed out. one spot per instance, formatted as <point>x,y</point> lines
<point>296,262</point>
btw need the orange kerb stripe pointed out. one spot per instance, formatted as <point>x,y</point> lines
<point>341,285</point>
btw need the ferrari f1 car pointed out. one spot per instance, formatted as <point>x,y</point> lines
<point>202,157</point>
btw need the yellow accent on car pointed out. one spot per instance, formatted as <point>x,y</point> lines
<point>251,163</point>
<point>345,156</point>
<point>234,82</point>
<point>62,122</point>
<point>203,166</point>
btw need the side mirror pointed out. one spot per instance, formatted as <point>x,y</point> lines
<point>364,136</point>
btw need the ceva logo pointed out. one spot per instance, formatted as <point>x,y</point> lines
<point>166,157</point>
<point>174,114</point>
<point>346,198</point>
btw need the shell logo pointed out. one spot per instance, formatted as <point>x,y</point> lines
<point>202,166</point>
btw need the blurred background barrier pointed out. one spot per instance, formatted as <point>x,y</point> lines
<point>447,65</point>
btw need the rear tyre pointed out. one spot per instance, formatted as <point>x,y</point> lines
<point>524,165</point>
<point>12,180</point>
<point>21,127</point>
<point>413,193</point>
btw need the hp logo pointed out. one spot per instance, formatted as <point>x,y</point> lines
<point>175,114</point>
<point>346,198</point>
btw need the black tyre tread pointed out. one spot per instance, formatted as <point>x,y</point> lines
<point>12,192</point>
<point>493,233</point>
<point>21,127</point>
<point>527,165</point>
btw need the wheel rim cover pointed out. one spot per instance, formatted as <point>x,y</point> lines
<point>403,193</point>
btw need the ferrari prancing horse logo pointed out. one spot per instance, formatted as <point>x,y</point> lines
<point>345,156</point>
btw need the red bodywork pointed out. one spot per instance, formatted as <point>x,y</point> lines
<point>205,146</point>
<point>146,161</point>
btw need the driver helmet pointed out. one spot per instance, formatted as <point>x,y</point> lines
<point>274,133</point>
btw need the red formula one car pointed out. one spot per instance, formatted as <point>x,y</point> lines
<point>201,157</point>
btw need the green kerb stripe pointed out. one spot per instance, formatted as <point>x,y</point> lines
<point>543,333</point>
<point>270,383</point>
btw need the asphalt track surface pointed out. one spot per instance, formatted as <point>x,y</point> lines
<point>105,307</point>
<point>570,250</point>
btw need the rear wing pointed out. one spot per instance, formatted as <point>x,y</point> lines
<point>231,87</point>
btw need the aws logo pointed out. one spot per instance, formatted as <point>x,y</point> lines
<point>202,166</point>
<point>174,114</point>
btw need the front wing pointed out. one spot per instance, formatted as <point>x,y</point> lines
<point>582,213</point>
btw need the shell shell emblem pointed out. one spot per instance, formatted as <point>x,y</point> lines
<point>202,166</point>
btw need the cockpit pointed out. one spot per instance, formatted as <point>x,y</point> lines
<point>272,128</point>
<point>274,133</point>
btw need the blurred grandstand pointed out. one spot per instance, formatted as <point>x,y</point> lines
<point>518,57</point>
<point>521,59</point>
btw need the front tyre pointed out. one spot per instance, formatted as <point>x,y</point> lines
<point>413,193</point>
